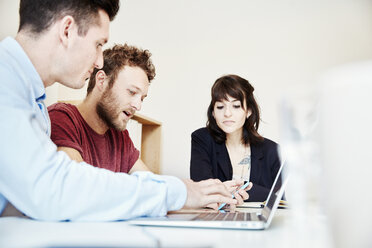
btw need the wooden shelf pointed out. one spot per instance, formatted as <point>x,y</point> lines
<point>150,142</point>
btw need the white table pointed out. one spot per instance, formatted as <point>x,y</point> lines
<point>283,232</point>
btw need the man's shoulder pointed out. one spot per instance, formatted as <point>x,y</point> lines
<point>63,111</point>
<point>15,83</point>
<point>62,107</point>
<point>66,124</point>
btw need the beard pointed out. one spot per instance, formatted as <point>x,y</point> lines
<point>108,110</point>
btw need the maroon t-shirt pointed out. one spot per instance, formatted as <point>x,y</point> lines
<point>113,150</point>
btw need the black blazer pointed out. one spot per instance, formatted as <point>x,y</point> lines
<point>210,159</point>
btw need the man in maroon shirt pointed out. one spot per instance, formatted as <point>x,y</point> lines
<point>95,130</point>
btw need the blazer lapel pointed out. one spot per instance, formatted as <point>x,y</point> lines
<point>256,163</point>
<point>223,160</point>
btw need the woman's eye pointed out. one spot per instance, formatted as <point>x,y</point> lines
<point>131,92</point>
<point>219,107</point>
<point>236,106</point>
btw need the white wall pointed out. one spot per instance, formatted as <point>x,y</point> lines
<point>279,46</point>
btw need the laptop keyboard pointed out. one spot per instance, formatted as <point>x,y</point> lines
<point>237,216</point>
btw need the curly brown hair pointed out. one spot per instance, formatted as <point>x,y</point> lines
<point>117,57</point>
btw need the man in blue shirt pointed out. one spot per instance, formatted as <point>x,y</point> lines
<point>61,41</point>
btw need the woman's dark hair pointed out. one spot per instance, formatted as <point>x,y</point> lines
<point>240,89</point>
<point>38,15</point>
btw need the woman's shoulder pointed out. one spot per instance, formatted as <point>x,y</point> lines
<point>201,133</point>
<point>265,148</point>
<point>267,144</point>
<point>270,142</point>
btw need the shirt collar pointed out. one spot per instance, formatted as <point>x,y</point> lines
<point>25,64</point>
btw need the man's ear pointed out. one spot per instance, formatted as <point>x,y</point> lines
<point>101,82</point>
<point>66,26</point>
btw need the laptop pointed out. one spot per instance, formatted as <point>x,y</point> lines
<point>224,220</point>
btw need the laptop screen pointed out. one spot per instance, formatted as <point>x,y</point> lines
<point>275,189</point>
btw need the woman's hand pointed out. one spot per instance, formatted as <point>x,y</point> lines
<point>240,194</point>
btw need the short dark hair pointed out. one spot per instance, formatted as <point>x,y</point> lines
<point>115,58</point>
<point>38,15</point>
<point>240,89</point>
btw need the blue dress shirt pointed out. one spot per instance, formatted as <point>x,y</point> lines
<point>46,184</point>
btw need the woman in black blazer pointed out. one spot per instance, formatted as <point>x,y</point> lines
<point>230,146</point>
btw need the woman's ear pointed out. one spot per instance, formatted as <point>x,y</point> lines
<point>101,82</point>
<point>249,112</point>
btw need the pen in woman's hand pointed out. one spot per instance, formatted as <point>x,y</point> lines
<point>233,195</point>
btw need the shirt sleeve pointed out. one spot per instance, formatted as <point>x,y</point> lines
<point>47,185</point>
<point>63,130</point>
